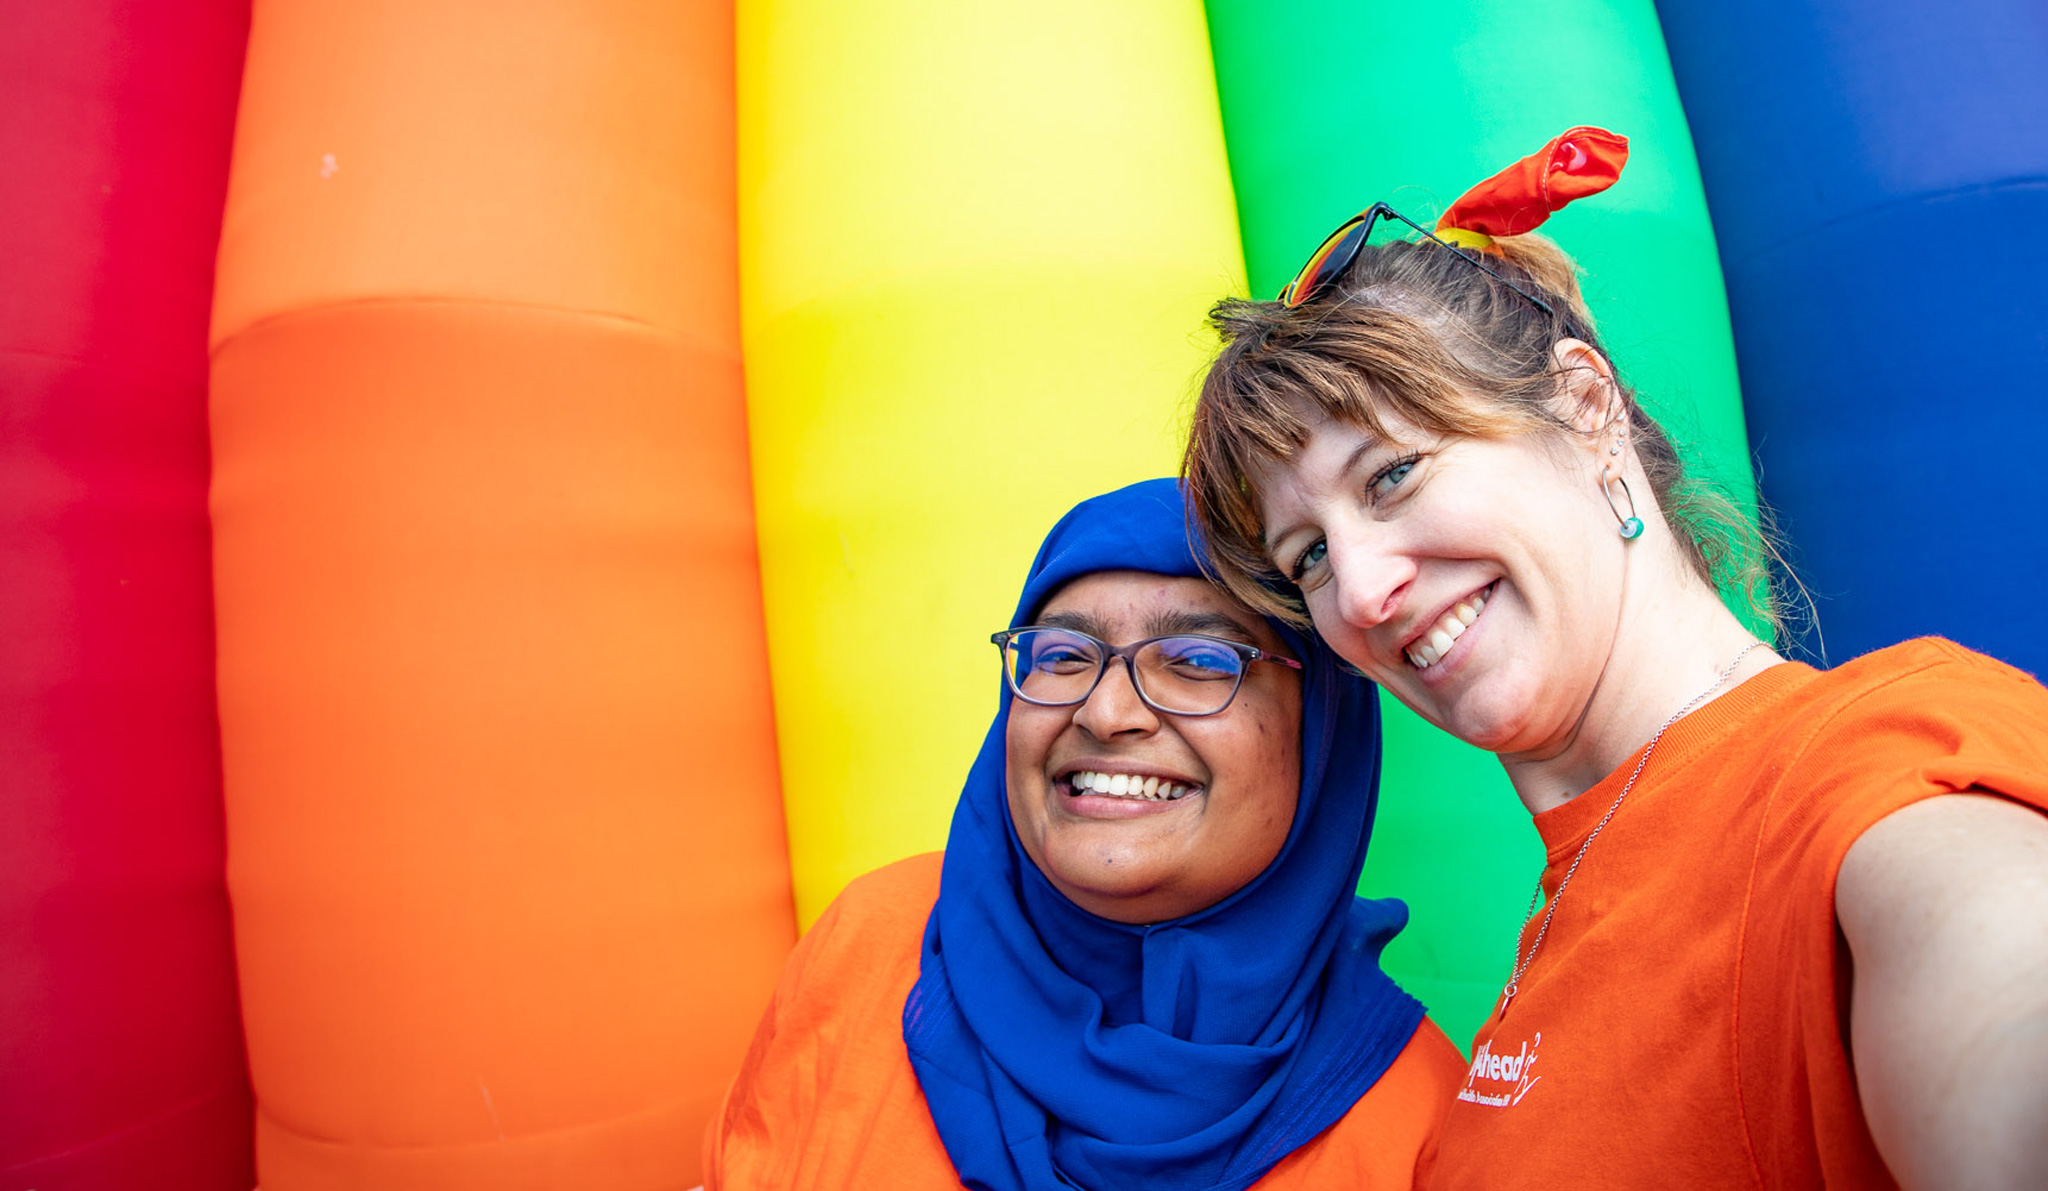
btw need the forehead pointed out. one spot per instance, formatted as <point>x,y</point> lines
<point>1323,463</point>
<point>1330,441</point>
<point>1125,606</point>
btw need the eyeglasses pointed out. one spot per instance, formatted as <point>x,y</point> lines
<point>1186,674</point>
<point>1342,246</point>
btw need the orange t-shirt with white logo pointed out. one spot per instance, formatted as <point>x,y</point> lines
<point>1684,1023</point>
<point>827,1099</point>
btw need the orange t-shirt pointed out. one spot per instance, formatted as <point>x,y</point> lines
<point>827,1099</point>
<point>1684,1023</point>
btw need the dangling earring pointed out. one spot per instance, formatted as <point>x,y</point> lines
<point>1631,525</point>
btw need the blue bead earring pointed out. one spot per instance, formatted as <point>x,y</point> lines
<point>1631,525</point>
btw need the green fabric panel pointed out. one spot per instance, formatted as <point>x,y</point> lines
<point>1328,107</point>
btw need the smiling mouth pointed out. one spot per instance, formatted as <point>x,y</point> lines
<point>1135,786</point>
<point>1442,637</point>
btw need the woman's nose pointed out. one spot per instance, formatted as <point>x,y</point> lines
<point>1113,707</point>
<point>1369,580</point>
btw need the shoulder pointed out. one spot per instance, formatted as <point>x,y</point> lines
<point>1915,721</point>
<point>826,1095</point>
<point>1427,1073</point>
<point>1983,727</point>
<point>1944,836</point>
<point>1379,1142</point>
<point>881,913</point>
<point>1925,680</point>
<point>890,895</point>
<point>849,974</point>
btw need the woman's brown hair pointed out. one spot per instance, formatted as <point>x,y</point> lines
<point>1417,331</point>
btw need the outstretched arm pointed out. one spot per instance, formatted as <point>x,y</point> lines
<point>1945,908</point>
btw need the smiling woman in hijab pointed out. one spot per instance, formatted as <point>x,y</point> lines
<point>1141,962</point>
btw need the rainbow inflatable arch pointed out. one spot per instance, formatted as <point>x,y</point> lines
<point>450,448</point>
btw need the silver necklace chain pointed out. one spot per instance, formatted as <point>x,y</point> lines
<point>1514,981</point>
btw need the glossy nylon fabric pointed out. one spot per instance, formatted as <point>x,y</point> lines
<point>1054,1045</point>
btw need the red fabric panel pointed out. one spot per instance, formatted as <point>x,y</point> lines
<point>120,1038</point>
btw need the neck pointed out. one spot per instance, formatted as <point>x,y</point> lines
<point>1672,642</point>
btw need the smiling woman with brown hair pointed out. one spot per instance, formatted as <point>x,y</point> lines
<point>1142,963</point>
<point>1795,921</point>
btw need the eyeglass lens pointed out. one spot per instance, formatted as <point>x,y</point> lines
<point>1183,675</point>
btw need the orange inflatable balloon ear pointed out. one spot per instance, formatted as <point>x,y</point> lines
<point>505,830</point>
<point>1576,163</point>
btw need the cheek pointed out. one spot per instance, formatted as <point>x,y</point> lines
<point>1279,745</point>
<point>1026,745</point>
<point>1271,776</point>
<point>1029,735</point>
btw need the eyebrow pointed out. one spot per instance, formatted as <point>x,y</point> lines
<point>1160,624</point>
<point>1351,463</point>
<point>1214,624</point>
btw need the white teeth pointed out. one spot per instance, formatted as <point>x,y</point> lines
<point>1126,785</point>
<point>1446,632</point>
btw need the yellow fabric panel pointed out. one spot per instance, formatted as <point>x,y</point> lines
<point>976,244</point>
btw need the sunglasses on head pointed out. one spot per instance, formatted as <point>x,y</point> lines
<point>1342,246</point>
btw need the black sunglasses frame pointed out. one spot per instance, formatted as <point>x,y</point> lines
<point>1340,260</point>
<point>1129,653</point>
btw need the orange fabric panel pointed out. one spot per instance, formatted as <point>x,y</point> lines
<point>828,1099</point>
<point>1682,1024</point>
<point>504,851</point>
<point>568,153</point>
<point>505,834</point>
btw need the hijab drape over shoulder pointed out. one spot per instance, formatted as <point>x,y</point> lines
<point>1057,1049</point>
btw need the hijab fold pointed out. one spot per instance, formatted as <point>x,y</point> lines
<point>1057,1049</point>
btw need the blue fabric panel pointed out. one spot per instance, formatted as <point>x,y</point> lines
<point>1877,171</point>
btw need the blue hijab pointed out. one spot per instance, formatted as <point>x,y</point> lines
<point>1057,1049</point>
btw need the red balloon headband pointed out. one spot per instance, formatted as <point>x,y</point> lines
<point>1578,162</point>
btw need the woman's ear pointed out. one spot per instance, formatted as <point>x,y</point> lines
<point>1588,398</point>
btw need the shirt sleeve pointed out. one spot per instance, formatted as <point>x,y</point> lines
<point>1944,721</point>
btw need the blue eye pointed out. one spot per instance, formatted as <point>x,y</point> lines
<point>1308,559</point>
<point>1389,477</point>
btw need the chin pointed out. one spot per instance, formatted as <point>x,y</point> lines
<point>1493,724</point>
<point>1100,877</point>
<point>1107,883</point>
